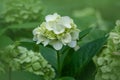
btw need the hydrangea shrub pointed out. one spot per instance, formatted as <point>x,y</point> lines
<point>108,62</point>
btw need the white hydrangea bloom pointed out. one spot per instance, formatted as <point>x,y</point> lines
<point>57,31</point>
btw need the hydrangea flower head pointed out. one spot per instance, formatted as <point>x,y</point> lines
<point>20,58</point>
<point>57,31</point>
<point>108,62</point>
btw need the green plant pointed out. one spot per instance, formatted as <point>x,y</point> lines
<point>58,54</point>
<point>108,61</point>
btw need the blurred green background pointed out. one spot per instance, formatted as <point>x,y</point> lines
<point>99,14</point>
<point>110,9</point>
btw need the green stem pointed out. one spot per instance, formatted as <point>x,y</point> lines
<point>9,73</point>
<point>58,63</point>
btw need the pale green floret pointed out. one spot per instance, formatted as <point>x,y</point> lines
<point>27,60</point>
<point>108,62</point>
<point>36,66</point>
<point>57,31</point>
<point>100,61</point>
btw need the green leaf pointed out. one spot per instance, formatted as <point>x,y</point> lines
<point>64,52</point>
<point>18,75</point>
<point>66,78</point>
<point>84,33</point>
<point>79,59</point>
<point>24,25</point>
<point>50,55</point>
<point>19,31</point>
<point>2,30</point>
<point>28,44</point>
<point>19,34</point>
<point>5,41</point>
<point>88,73</point>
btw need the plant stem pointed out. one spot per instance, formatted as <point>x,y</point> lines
<point>58,63</point>
<point>9,73</point>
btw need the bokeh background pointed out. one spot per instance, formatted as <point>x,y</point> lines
<point>110,9</point>
<point>15,15</point>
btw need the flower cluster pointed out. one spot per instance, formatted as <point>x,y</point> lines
<point>27,60</point>
<point>108,66</point>
<point>108,62</point>
<point>114,39</point>
<point>57,31</point>
<point>19,11</point>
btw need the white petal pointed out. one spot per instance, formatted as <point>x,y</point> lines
<point>72,44</point>
<point>57,45</point>
<point>45,43</point>
<point>35,38</point>
<point>75,34</point>
<point>67,25</point>
<point>76,47</point>
<point>36,31</point>
<point>49,26</point>
<point>58,29</point>
<point>66,38</point>
<point>52,17</point>
<point>38,42</point>
<point>40,38</point>
<point>66,21</point>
